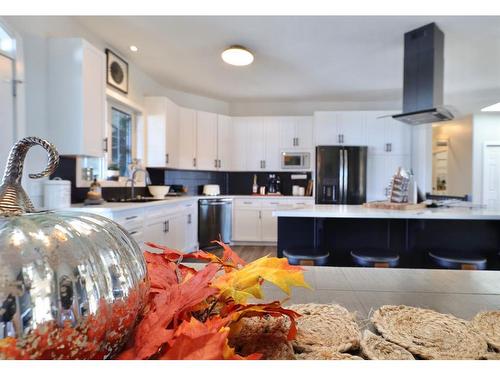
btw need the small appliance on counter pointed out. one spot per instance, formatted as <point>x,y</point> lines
<point>94,195</point>
<point>56,194</point>
<point>211,190</point>
<point>273,185</point>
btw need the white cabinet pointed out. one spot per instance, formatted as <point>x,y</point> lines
<point>239,144</point>
<point>340,128</point>
<point>253,220</point>
<point>295,132</point>
<point>206,134</point>
<point>162,132</point>
<point>246,223</point>
<point>386,135</point>
<point>76,97</point>
<point>187,139</point>
<point>191,226</point>
<point>224,142</point>
<point>380,170</point>
<point>256,138</point>
<point>272,161</point>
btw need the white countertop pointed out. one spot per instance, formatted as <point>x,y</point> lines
<point>110,207</point>
<point>360,212</point>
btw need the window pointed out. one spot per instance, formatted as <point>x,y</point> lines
<point>7,43</point>
<point>121,135</point>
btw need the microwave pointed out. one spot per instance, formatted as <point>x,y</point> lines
<point>295,160</point>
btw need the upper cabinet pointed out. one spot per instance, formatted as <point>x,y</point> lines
<point>340,128</point>
<point>224,142</point>
<point>187,139</point>
<point>386,135</point>
<point>295,131</point>
<point>76,97</point>
<point>162,132</point>
<point>206,144</point>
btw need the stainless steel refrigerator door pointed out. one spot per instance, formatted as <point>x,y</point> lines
<point>214,221</point>
<point>355,159</point>
<point>328,182</point>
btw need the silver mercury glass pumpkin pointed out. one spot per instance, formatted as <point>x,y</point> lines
<point>71,284</point>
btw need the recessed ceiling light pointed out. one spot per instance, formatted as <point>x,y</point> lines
<point>237,55</point>
<point>492,108</point>
<point>134,48</point>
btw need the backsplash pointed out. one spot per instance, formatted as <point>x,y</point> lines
<point>231,183</point>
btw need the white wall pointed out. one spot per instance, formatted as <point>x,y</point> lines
<point>486,128</point>
<point>304,108</point>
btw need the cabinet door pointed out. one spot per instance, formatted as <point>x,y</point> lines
<point>269,225</point>
<point>172,134</point>
<point>304,132</point>
<point>155,232</point>
<point>246,225</point>
<point>206,150</point>
<point>94,100</point>
<point>256,138</point>
<point>191,225</point>
<point>156,132</point>
<point>187,138</point>
<point>272,135</point>
<point>224,142</point>
<point>325,129</point>
<point>351,128</point>
<point>287,132</point>
<point>239,144</point>
<point>398,135</point>
<point>376,139</point>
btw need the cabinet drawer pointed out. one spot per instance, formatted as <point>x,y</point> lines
<point>153,213</point>
<point>277,204</point>
<point>250,203</point>
<point>130,218</point>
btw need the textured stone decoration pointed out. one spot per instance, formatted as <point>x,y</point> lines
<point>71,284</point>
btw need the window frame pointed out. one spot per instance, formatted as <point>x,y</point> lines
<point>110,105</point>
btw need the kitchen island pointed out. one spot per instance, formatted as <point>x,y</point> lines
<point>340,229</point>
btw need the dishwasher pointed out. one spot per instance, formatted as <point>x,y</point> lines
<point>214,221</point>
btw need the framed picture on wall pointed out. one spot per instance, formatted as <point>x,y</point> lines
<point>116,71</point>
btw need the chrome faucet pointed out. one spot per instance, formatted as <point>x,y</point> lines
<point>132,180</point>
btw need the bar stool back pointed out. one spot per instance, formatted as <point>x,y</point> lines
<point>307,257</point>
<point>458,261</point>
<point>379,258</point>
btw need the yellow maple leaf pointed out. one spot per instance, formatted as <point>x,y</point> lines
<point>246,282</point>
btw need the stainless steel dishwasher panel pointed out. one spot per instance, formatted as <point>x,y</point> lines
<point>214,221</point>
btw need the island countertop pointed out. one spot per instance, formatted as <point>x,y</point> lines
<point>360,212</point>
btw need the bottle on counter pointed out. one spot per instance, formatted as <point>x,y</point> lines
<point>255,187</point>
<point>94,195</point>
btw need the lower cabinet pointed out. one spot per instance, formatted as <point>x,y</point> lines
<point>253,219</point>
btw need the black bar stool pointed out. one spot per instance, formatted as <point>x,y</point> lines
<point>379,258</point>
<point>457,261</point>
<point>307,257</point>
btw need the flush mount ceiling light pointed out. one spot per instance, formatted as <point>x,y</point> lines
<point>237,55</point>
<point>492,108</point>
<point>134,48</point>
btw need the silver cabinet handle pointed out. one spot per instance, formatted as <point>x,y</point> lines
<point>390,147</point>
<point>165,227</point>
<point>297,143</point>
<point>340,138</point>
<point>194,162</point>
<point>105,144</point>
<point>166,158</point>
<point>264,162</point>
<point>260,214</point>
<point>215,163</point>
<point>131,217</point>
<point>220,163</point>
<point>133,232</point>
<point>189,218</point>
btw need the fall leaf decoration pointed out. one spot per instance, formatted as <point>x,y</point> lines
<point>190,313</point>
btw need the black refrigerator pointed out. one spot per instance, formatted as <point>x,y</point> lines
<point>341,174</point>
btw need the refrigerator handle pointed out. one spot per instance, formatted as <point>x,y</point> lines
<point>346,174</point>
<point>341,177</point>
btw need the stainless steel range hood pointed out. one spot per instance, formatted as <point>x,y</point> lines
<point>423,77</point>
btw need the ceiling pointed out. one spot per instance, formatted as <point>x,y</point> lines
<point>297,58</point>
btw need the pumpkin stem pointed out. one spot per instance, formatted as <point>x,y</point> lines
<point>13,198</point>
<point>15,163</point>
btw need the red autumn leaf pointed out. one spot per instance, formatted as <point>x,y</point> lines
<point>229,255</point>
